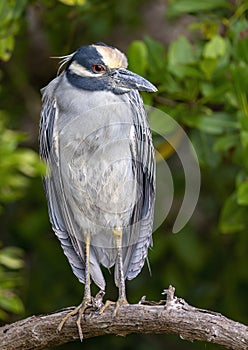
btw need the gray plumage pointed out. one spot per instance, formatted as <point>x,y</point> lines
<point>96,141</point>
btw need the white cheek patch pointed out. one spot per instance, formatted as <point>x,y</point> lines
<point>77,69</point>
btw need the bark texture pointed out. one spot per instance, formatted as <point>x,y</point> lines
<point>173,316</point>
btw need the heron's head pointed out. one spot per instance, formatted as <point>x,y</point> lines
<point>102,67</point>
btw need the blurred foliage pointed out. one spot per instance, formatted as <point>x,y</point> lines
<point>18,165</point>
<point>11,261</point>
<point>201,80</point>
<point>73,2</point>
<point>204,89</point>
<point>10,14</point>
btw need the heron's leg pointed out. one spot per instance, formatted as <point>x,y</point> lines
<point>121,282</point>
<point>87,293</point>
<point>86,302</point>
<point>122,300</point>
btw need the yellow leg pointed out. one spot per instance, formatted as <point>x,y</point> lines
<point>121,282</point>
<point>122,300</point>
<point>86,302</point>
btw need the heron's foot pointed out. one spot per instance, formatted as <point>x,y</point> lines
<point>79,310</point>
<point>106,305</point>
<point>118,304</point>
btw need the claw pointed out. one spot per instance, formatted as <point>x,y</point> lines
<point>118,304</point>
<point>106,305</point>
<point>80,309</point>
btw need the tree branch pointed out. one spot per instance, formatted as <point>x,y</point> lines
<point>173,316</point>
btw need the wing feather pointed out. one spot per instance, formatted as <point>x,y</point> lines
<point>52,185</point>
<point>144,170</point>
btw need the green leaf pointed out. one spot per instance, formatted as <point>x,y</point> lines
<point>239,71</point>
<point>11,257</point>
<point>233,217</point>
<point>156,55</point>
<point>17,164</point>
<point>11,302</point>
<point>208,67</point>
<point>241,49</point>
<point>73,2</point>
<point>138,57</point>
<point>240,37</point>
<point>215,94</point>
<point>242,193</point>
<point>244,138</point>
<point>180,7</point>
<point>180,52</point>
<point>215,48</point>
<point>28,162</point>
<point>216,123</point>
<point>207,27</point>
<point>10,11</point>
<point>10,15</point>
<point>181,57</point>
<point>6,47</point>
<point>226,142</point>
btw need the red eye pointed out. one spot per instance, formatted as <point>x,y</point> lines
<point>98,68</point>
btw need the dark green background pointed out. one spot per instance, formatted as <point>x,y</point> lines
<point>196,54</point>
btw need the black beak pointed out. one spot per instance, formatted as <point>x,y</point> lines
<point>128,80</point>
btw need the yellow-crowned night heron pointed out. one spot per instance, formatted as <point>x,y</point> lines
<point>100,182</point>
